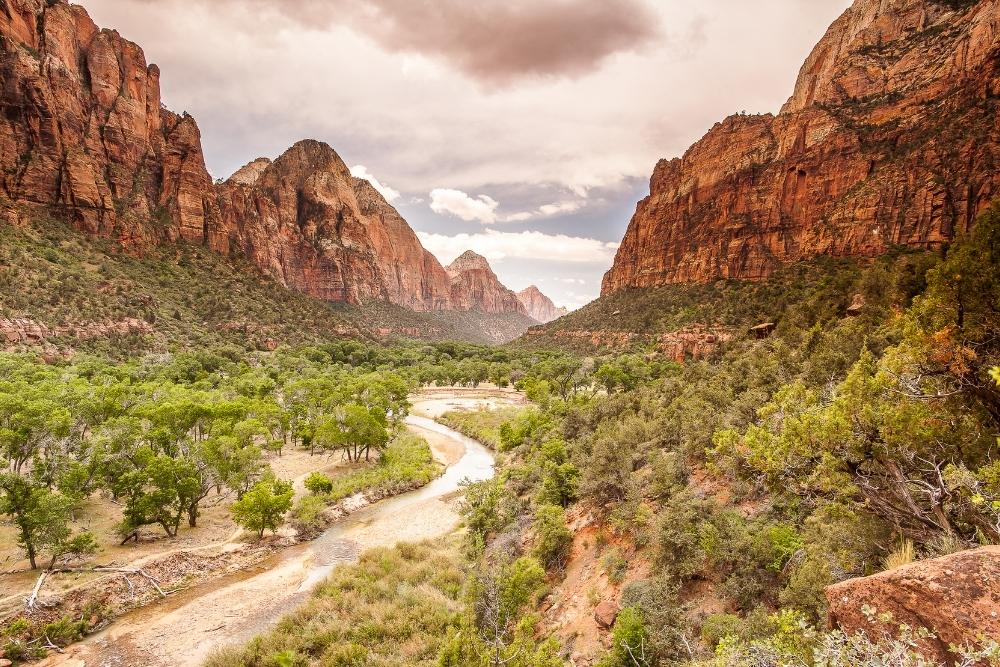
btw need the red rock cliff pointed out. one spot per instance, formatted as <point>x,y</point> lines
<point>83,135</point>
<point>306,221</point>
<point>474,286</point>
<point>539,306</point>
<point>890,138</point>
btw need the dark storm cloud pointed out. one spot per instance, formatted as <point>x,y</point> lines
<point>492,41</point>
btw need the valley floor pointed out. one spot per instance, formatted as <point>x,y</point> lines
<point>187,626</point>
<point>216,531</point>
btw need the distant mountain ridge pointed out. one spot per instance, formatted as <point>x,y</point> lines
<point>890,138</point>
<point>474,286</point>
<point>84,135</point>
<point>539,306</point>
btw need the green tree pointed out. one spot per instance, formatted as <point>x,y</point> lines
<point>264,506</point>
<point>159,490</point>
<point>355,430</point>
<point>552,538</point>
<point>317,483</point>
<point>40,515</point>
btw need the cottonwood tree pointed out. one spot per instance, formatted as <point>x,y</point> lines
<point>354,430</point>
<point>264,506</point>
<point>159,490</point>
<point>41,516</point>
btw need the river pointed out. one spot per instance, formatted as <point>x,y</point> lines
<point>182,630</point>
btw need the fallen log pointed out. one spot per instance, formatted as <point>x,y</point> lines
<point>30,601</point>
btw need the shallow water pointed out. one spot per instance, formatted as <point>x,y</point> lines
<point>378,524</point>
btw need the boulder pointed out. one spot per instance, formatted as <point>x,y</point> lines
<point>857,306</point>
<point>956,597</point>
<point>605,613</point>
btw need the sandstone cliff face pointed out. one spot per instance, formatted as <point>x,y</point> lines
<point>306,221</point>
<point>538,306</point>
<point>957,597</point>
<point>83,135</point>
<point>890,138</point>
<point>474,286</point>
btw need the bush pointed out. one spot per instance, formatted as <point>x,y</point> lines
<point>615,566</point>
<point>552,538</point>
<point>486,509</point>
<point>317,483</point>
<point>629,642</point>
<point>307,516</point>
<point>717,627</point>
<point>264,506</point>
<point>665,618</point>
<point>679,552</point>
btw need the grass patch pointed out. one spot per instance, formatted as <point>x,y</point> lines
<point>406,464</point>
<point>482,425</point>
<point>395,607</point>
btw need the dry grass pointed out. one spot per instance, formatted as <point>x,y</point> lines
<point>393,608</point>
<point>903,555</point>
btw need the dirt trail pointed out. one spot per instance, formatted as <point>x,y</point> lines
<point>182,630</point>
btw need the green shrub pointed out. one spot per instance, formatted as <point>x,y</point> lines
<point>307,515</point>
<point>678,544</point>
<point>629,642</point>
<point>717,627</point>
<point>317,483</point>
<point>264,506</point>
<point>552,538</point>
<point>615,566</point>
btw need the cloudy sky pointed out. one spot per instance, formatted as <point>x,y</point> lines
<point>523,129</point>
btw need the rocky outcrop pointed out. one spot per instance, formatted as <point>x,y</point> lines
<point>890,138</point>
<point>697,341</point>
<point>23,331</point>
<point>956,597</point>
<point>538,306</point>
<point>474,286</point>
<point>83,135</point>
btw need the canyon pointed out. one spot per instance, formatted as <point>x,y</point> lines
<point>84,137</point>
<point>890,139</point>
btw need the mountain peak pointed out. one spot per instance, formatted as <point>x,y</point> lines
<point>250,173</point>
<point>469,261</point>
<point>539,306</point>
<point>758,192</point>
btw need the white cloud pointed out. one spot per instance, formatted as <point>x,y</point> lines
<point>483,208</point>
<point>533,245</point>
<point>455,202</point>
<point>360,171</point>
<point>560,208</point>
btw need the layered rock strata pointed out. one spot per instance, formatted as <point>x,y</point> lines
<point>890,138</point>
